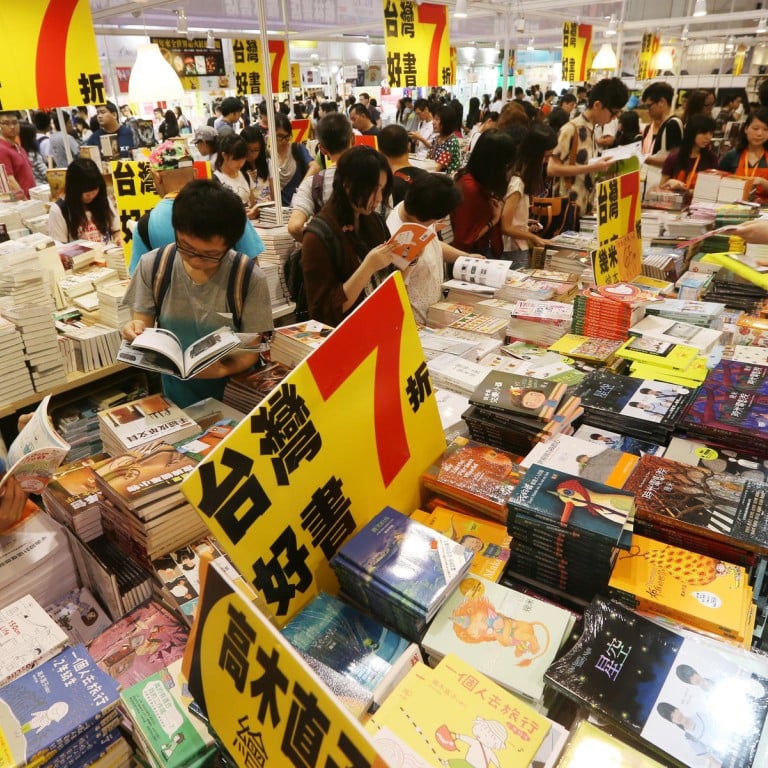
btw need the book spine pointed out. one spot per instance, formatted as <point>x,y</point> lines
<point>93,742</point>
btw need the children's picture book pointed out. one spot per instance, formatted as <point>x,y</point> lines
<point>49,707</point>
<point>523,395</point>
<point>28,637</point>
<point>158,349</point>
<point>410,240</point>
<point>143,641</point>
<point>488,539</point>
<point>509,636</point>
<point>36,452</point>
<point>454,715</point>
<point>692,703</point>
<point>590,745</point>
<point>79,614</point>
<point>585,347</point>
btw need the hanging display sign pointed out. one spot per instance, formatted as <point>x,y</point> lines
<point>649,47</point>
<point>192,59</point>
<point>300,130</point>
<point>249,67</point>
<point>348,432</point>
<point>577,51</point>
<point>295,75</point>
<point>416,44</point>
<point>49,57</point>
<point>135,194</point>
<point>619,255</point>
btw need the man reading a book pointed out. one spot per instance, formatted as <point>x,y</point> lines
<point>208,220</point>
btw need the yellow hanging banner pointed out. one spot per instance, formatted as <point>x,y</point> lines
<point>649,47</point>
<point>348,432</point>
<point>295,75</point>
<point>416,44</point>
<point>135,194</point>
<point>48,57</point>
<point>577,51</point>
<point>264,702</point>
<point>249,66</point>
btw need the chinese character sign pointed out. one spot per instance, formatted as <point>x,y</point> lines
<point>49,56</point>
<point>249,66</point>
<point>295,75</point>
<point>618,257</point>
<point>264,702</point>
<point>649,47</point>
<point>348,432</point>
<point>416,42</point>
<point>577,51</point>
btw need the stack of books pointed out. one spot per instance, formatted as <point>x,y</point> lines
<point>603,316</point>
<point>456,374</point>
<point>62,714</point>
<point>571,252</point>
<point>93,346</point>
<point>641,408</point>
<point>435,344</point>
<point>540,322</point>
<point>673,331</point>
<point>400,570</point>
<point>662,264</point>
<point>707,314</point>
<point>139,422</point>
<point>566,530</point>
<point>17,382</point>
<point>595,351</point>
<point>665,580</point>
<point>733,291</point>
<point>292,343</point>
<point>664,361</point>
<point>516,412</point>
<point>531,360</point>
<point>482,343</point>
<point>112,311</point>
<point>245,391</point>
<point>278,245</point>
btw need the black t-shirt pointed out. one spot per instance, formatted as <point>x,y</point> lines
<point>402,180</point>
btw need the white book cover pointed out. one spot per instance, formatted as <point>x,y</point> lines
<point>490,272</point>
<point>670,331</point>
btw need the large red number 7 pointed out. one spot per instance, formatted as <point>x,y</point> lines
<point>343,353</point>
<point>278,48</point>
<point>434,14</point>
<point>630,187</point>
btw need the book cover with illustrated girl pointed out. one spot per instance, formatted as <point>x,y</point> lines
<point>524,395</point>
<point>509,636</point>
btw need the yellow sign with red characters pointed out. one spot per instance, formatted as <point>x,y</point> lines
<point>649,47</point>
<point>300,129</point>
<point>295,75</point>
<point>49,56</point>
<point>619,254</point>
<point>416,44</point>
<point>348,432</point>
<point>577,51</point>
<point>249,66</point>
<point>262,699</point>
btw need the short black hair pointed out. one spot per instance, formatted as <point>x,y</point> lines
<point>42,120</point>
<point>334,132</point>
<point>611,92</point>
<point>329,106</point>
<point>432,196</point>
<point>360,109</point>
<point>229,105</point>
<point>685,672</point>
<point>659,90</point>
<point>110,106</point>
<point>394,141</point>
<point>568,98</point>
<point>424,104</point>
<point>449,120</point>
<point>206,209</point>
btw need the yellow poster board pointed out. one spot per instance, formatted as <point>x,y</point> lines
<point>577,51</point>
<point>295,75</point>
<point>619,255</point>
<point>348,432</point>
<point>249,66</point>
<point>648,50</point>
<point>49,57</point>
<point>265,704</point>
<point>416,43</point>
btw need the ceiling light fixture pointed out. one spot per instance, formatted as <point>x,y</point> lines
<point>520,25</point>
<point>684,33</point>
<point>181,22</point>
<point>605,58</point>
<point>460,11</point>
<point>663,60</point>
<point>530,47</point>
<point>210,40</point>
<point>762,26</point>
<point>153,78</point>
<point>730,43</point>
<point>612,26</point>
<point>700,9</point>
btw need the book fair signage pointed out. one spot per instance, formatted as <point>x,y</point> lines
<point>49,56</point>
<point>192,59</point>
<point>416,44</point>
<point>649,47</point>
<point>618,257</point>
<point>249,66</point>
<point>577,51</point>
<point>264,702</point>
<point>348,432</point>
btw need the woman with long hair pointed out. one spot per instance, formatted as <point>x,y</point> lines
<point>169,128</point>
<point>483,183</point>
<point>750,155</point>
<point>181,119</point>
<point>293,158</point>
<point>337,280</point>
<point>257,166</point>
<point>698,102</point>
<point>229,171</point>
<point>526,180</point>
<point>85,212</point>
<point>445,149</point>
<point>681,166</point>
<point>473,114</point>
<point>629,128</point>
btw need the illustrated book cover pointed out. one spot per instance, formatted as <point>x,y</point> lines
<point>409,241</point>
<point>522,395</point>
<point>79,614</point>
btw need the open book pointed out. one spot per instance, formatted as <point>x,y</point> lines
<point>486,275</point>
<point>410,241</point>
<point>158,349</point>
<point>36,452</point>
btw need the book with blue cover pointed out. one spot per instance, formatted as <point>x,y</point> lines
<point>49,707</point>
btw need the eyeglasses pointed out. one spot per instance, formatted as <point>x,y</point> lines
<point>283,136</point>
<point>648,104</point>
<point>190,253</point>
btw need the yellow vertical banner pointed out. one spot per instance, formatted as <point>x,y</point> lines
<point>262,699</point>
<point>618,257</point>
<point>295,75</point>
<point>416,44</point>
<point>348,432</point>
<point>738,60</point>
<point>249,66</point>
<point>649,47</point>
<point>135,194</point>
<point>577,51</point>
<point>48,57</point>
<point>454,67</point>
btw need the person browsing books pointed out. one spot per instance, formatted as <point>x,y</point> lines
<point>682,165</point>
<point>207,221</point>
<point>750,156</point>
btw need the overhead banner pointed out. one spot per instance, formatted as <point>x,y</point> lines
<point>619,255</point>
<point>249,67</point>
<point>192,59</point>
<point>48,58</point>
<point>135,194</point>
<point>348,432</point>
<point>295,75</point>
<point>416,44</point>
<point>577,51</point>
<point>649,47</point>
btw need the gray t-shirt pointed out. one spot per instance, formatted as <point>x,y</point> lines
<point>302,198</point>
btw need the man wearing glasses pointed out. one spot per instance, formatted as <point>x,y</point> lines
<point>12,156</point>
<point>664,131</point>
<point>576,145</point>
<point>208,220</point>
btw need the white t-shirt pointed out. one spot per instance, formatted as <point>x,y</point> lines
<point>57,226</point>
<point>520,219</point>
<point>239,185</point>
<point>427,130</point>
<point>424,279</point>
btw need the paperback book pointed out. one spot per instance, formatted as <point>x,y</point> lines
<point>721,460</point>
<point>676,332</point>
<point>79,614</point>
<point>521,395</point>
<point>588,742</point>
<point>617,441</point>
<point>409,242</point>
